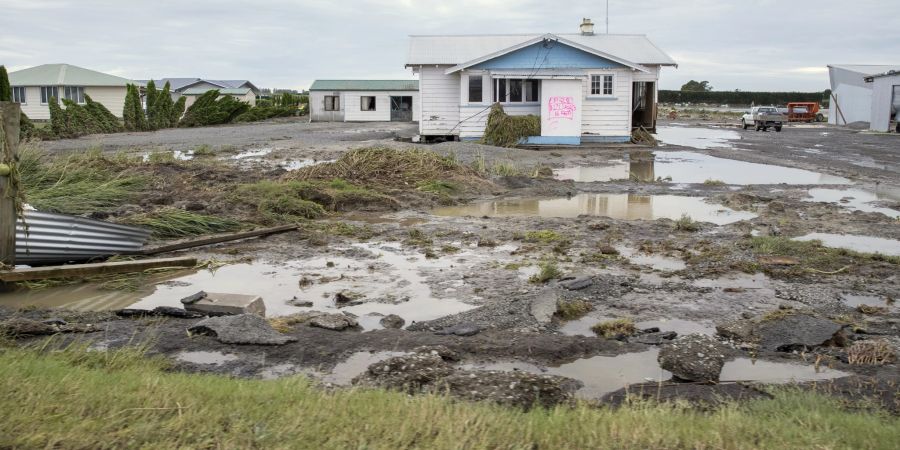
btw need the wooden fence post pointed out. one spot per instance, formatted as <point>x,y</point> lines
<point>9,145</point>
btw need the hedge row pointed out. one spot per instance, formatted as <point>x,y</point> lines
<point>742,98</point>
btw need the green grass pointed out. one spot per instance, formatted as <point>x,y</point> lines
<point>439,187</point>
<point>612,328</point>
<point>813,256</point>
<point>543,236</point>
<point>175,223</point>
<point>573,309</point>
<point>548,271</point>
<point>288,201</point>
<point>714,182</point>
<point>78,183</point>
<point>80,399</point>
<point>685,223</point>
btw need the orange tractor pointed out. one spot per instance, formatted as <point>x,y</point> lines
<point>804,112</point>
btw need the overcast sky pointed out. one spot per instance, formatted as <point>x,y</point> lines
<point>743,44</point>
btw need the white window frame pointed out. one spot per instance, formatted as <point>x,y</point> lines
<point>602,76</point>
<point>366,102</point>
<point>78,93</point>
<point>469,78</point>
<point>495,91</point>
<point>45,99</point>
<point>20,99</point>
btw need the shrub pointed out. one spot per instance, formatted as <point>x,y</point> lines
<point>573,309</point>
<point>177,111</point>
<point>105,119</point>
<point>209,109</point>
<point>548,271</point>
<point>5,88</point>
<point>685,223</point>
<point>508,131</point>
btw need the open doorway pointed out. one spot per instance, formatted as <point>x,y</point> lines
<point>643,105</point>
<point>401,108</point>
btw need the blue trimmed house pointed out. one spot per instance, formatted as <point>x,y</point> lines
<point>586,87</point>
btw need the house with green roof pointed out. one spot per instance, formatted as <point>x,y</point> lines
<point>364,101</point>
<point>34,87</point>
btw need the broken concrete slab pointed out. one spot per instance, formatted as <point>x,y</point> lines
<point>409,373</point>
<point>335,322</point>
<point>249,329</point>
<point>20,326</point>
<point>517,389</point>
<point>220,304</point>
<point>693,357</point>
<point>577,283</point>
<point>543,305</point>
<point>797,332</point>
<point>463,329</point>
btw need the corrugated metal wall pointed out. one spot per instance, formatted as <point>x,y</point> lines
<point>57,238</point>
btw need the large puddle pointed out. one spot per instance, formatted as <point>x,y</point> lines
<point>618,206</point>
<point>856,199</point>
<point>382,277</point>
<point>696,137</point>
<point>604,374</point>
<point>344,372</point>
<point>692,167</point>
<point>862,244</point>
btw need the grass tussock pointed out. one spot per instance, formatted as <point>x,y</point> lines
<point>616,327</point>
<point>685,223</point>
<point>78,183</point>
<point>548,271</point>
<point>543,236</point>
<point>713,182</point>
<point>871,352</point>
<point>120,399</point>
<point>504,130</point>
<point>573,309</point>
<point>380,167</point>
<point>170,223</point>
<point>287,201</point>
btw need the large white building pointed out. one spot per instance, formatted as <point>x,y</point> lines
<point>851,99</point>
<point>586,87</point>
<point>34,87</point>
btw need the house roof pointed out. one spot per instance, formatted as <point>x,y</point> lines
<point>365,85</point>
<point>458,49</point>
<point>866,69</point>
<point>177,84</point>
<point>544,38</point>
<point>889,73</point>
<point>63,75</point>
<point>223,91</point>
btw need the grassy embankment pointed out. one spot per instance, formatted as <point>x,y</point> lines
<point>80,399</point>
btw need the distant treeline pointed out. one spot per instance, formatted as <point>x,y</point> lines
<point>742,98</point>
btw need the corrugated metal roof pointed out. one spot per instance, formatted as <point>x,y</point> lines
<point>365,85</point>
<point>228,91</point>
<point>866,69</point>
<point>459,49</point>
<point>58,238</point>
<point>63,75</point>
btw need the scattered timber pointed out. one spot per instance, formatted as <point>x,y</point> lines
<point>93,269</point>
<point>209,240</point>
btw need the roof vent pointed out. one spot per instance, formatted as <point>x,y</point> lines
<point>587,27</point>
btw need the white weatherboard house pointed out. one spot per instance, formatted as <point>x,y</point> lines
<point>33,88</point>
<point>852,90</point>
<point>364,101</point>
<point>586,87</point>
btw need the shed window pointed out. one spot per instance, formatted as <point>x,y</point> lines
<point>516,90</point>
<point>19,94</point>
<point>48,92</point>
<point>332,103</point>
<point>601,85</point>
<point>74,93</point>
<point>367,103</point>
<point>475,89</point>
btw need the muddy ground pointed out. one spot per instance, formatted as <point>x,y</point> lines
<point>618,228</point>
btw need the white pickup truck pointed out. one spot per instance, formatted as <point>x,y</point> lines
<point>763,117</point>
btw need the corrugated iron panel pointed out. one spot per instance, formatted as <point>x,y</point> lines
<point>57,238</point>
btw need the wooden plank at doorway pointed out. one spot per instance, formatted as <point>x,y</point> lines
<point>93,269</point>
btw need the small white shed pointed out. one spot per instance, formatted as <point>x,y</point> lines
<point>885,100</point>
<point>364,101</point>
<point>851,99</point>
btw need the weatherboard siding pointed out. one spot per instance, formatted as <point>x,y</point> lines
<point>382,113</point>
<point>604,116</point>
<point>439,95</point>
<point>317,111</point>
<point>112,97</point>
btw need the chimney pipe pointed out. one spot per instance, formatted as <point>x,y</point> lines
<point>587,27</point>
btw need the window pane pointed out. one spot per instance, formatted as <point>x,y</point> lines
<point>607,85</point>
<point>595,85</point>
<point>515,90</point>
<point>475,90</point>
<point>367,103</point>
<point>500,93</point>
<point>532,94</point>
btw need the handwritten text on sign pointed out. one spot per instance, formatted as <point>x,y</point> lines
<point>559,107</point>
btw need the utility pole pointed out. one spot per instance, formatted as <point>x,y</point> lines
<point>9,144</point>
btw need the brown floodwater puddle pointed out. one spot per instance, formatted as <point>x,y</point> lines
<point>344,372</point>
<point>206,358</point>
<point>692,167</point>
<point>617,206</point>
<point>384,277</point>
<point>604,374</point>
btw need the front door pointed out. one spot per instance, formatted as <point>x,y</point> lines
<point>401,108</point>
<point>561,111</point>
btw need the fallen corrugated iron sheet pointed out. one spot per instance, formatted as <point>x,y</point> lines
<point>58,238</point>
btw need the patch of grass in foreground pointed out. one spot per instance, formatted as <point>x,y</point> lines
<point>81,399</point>
<point>813,256</point>
<point>176,223</point>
